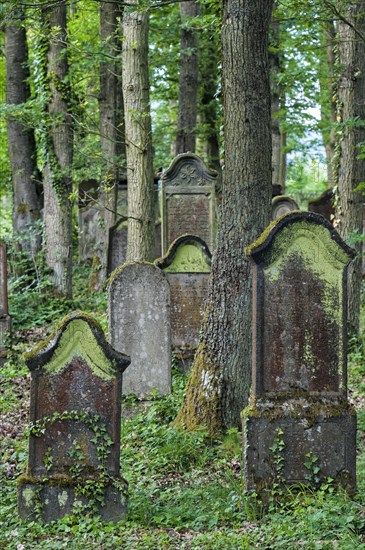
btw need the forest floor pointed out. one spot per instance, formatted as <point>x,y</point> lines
<point>185,489</point>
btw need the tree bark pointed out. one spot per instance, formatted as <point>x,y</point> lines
<point>220,380</point>
<point>57,172</point>
<point>209,56</point>
<point>351,170</point>
<point>21,142</point>
<point>188,80</point>
<point>111,123</point>
<point>138,134</point>
<point>276,93</point>
<point>328,110</point>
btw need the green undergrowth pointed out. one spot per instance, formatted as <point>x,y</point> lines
<point>186,490</point>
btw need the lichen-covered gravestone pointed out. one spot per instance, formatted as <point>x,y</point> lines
<point>299,426</point>
<point>139,319</point>
<point>5,321</point>
<point>187,266</point>
<point>74,442</point>
<point>187,200</point>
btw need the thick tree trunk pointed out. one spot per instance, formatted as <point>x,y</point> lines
<point>57,176</point>
<point>21,142</point>
<point>138,134</point>
<point>220,380</point>
<point>351,170</point>
<point>110,113</point>
<point>188,80</point>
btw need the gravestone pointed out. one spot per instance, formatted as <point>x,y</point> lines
<point>281,204</point>
<point>139,319</point>
<point>118,236</point>
<point>299,386</point>
<point>323,205</point>
<point>74,445</point>
<point>5,321</point>
<point>187,266</point>
<point>187,200</point>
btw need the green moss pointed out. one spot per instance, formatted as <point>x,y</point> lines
<point>301,408</point>
<point>75,339</point>
<point>185,255</point>
<point>202,403</point>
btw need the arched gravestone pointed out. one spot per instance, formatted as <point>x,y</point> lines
<point>5,321</point>
<point>299,386</point>
<point>139,319</point>
<point>75,413</point>
<point>187,266</point>
<point>281,204</point>
<point>187,200</point>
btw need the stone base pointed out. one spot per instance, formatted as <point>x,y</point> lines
<point>327,432</point>
<point>52,502</point>
<point>184,359</point>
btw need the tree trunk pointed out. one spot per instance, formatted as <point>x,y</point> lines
<point>220,380</point>
<point>21,142</point>
<point>138,136</point>
<point>110,134</point>
<point>188,80</point>
<point>351,170</point>
<point>328,107</point>
<point>208,106</point>
<point>57,172</point>
<point>276,91</point>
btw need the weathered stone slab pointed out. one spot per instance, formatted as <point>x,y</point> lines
<point>139,318</point>
<point>187,266</point>
<point>5,321</point>
<point>74,441</point>
<point>188,200</point>
<point>299,351</point>
<point>281,204</point>
<point>118,238</point>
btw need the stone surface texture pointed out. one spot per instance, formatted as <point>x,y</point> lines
<point>75,398</point>
<point>187,266</point>
<point>299,352</point>
<point>187,200</point>
<point>139,319</point>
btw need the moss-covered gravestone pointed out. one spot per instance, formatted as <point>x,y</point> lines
<point>299,426</point>
<point>74,442</point>
<point>187,200</point>
<point>139,320</point>
<point>187,267</point>
<point>5,322</point>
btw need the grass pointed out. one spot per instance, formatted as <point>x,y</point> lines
<point>186,490</point>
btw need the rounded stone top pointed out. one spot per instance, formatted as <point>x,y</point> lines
<point>77,335</point>
<point>188,169</point>
<point>186,254</point>
<point>319,228</point>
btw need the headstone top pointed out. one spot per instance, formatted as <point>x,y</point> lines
<point>188,170</point>
<point>187,254</point>
<point>292,227</point>
<point>77,336</point>
<point>282,204</point>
